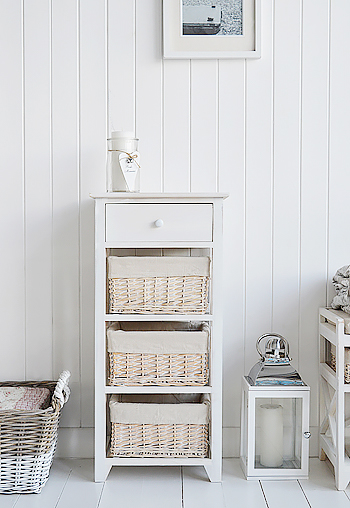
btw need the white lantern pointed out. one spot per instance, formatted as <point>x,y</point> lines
<point>274,416</point>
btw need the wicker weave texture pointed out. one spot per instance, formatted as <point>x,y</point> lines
<point>133,369</point>
<point>163,440</point>
<point>25,473</point>
<point>171,295</point>
<point>333,365</point>
<point>27,444</point>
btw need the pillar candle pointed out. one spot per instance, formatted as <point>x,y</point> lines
<point>271,435</point>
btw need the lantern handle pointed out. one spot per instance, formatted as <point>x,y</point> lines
<point>270,335</point>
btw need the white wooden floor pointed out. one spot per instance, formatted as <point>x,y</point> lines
<point>70,486</point>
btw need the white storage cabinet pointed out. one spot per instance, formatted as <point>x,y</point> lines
<point>334,333</point>
<point>147,225</point>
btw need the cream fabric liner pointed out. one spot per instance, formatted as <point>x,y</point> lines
<point>346,317</point>
<point>163,266</point>
<point>157,409</point>
<point>157,342</point>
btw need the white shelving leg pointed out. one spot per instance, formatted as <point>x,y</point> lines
<point>214,471</point>
<point>341,479</point>
<point>101,470</point>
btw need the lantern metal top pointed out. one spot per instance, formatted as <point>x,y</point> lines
<point>274,367</point>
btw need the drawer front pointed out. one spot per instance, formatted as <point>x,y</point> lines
<point>158,222</point>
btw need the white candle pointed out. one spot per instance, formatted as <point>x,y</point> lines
<point>271,435</point>
<point>123,140</point>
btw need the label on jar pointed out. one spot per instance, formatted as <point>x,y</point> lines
<point>130,167</point>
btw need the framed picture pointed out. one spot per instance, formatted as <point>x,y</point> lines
<point>211,28</point>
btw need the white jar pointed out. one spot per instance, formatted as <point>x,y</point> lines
<point>123,162</point>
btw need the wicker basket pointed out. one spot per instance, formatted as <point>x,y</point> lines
<point>159,427</point>
<point>144,285</point>
<point>158,354</point>
<point>333,362</point>
<point>28,440</point>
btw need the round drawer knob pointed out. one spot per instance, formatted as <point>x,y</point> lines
<point>158,223</point>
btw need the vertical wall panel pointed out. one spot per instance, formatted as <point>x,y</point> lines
<point>93,134</point>
<point>121,65</point>
<point>204,125</point>
<point>286,220</point>
<point>38,206</point>
<point>65,201</point>
<point>314,188</point>
<point>259,165</point>
<point>176,125</point>
<point>12,305</point>
<point>149,92</point>
<point>339,179</point>
<point>231,180</point>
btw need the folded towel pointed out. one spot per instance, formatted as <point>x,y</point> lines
<point>25,398</point>
<point>342,272</point>
<point>341,282</point>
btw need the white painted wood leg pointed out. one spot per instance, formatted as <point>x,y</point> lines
<point>341,480</point>
<point>101,471</point>
<point>214,471</point>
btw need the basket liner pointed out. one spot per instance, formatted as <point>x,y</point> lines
<point>157,338</point>
<point>160,409</point>
<point>133,267</point>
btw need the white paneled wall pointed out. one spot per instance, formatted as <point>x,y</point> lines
<point>273,133</point>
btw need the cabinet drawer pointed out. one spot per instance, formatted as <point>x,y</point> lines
<point>158,222</point>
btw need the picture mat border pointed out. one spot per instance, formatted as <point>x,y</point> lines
<point>177,46</point>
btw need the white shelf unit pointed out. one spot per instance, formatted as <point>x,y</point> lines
<point>333,394</point>
<point>191,228</point>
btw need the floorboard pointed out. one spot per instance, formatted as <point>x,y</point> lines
<point>146,487</point>
<point>238,492</point>
<point>52,490</point>
<point>320,487</point>
<point>8,500</point>
<point>199,492</point>
<point>284,494</point>
<point>71,485</point>
<point>80,489</point>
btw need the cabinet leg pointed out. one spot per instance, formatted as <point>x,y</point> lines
<point>101,471</point>
<point>341,480</point>
<point>214,471</point>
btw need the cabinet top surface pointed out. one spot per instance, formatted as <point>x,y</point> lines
<point>135,196</point>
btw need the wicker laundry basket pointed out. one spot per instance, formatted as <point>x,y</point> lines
<point>159,425</point>
<point>165,284</point>
<point>172,354</point>
<point>28,440</point>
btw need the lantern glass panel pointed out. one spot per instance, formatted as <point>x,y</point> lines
<point>244,428</point>
<point>278,433</point>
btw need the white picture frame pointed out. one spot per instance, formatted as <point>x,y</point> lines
<point>177,45</point>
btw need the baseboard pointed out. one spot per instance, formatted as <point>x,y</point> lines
<point>79,442</point>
